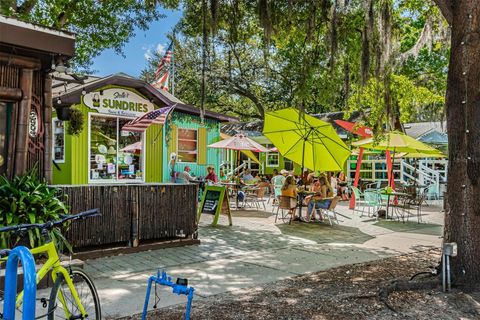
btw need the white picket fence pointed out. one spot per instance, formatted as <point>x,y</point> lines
<point>425,172</point>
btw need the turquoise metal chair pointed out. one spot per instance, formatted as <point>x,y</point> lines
<point>359,200</point>
<point>373,202</point>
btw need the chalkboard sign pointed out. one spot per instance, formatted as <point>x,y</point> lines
<point>215,201</point>
<point>210,201</point>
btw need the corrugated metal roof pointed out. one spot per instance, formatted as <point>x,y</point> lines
<point>71,94</point>
<point>418,129</point>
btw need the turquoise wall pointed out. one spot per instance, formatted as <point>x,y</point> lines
<point>186,121</point>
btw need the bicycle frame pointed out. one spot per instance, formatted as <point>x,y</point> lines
<point>53,264</point>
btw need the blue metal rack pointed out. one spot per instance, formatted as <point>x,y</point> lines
<point>29,284</point>
<point>179,288</point>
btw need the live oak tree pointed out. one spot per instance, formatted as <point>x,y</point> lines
<point>317,55</point>
<point>98,25</point>
<point>462,218</point>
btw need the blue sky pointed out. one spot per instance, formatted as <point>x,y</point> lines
<point>138,48</point>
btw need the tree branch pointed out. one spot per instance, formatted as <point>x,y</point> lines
<point>27,6</point>
<point>445,7</point>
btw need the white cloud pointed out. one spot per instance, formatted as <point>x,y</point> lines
<point>148,55</point>
<point>160,48</point>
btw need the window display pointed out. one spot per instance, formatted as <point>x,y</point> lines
<point>58,141</point>
<point>187,145</point>
<point>115,155</point>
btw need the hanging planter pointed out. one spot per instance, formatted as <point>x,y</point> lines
<point>75,125</point>
<point>63,113</point>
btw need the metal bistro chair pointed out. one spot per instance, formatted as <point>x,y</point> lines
<point>256,197</point>
<point>372,201</point>
<point>284,205</point>
<point>416,203</point>
<point>330,212</point>
<point>359,199</point>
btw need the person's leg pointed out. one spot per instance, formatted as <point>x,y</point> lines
<point>310,206</point>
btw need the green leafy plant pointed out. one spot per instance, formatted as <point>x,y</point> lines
<point>25,199</point>
<point>75,125</point>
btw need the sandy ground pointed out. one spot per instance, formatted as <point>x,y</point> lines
<point>346,292</point>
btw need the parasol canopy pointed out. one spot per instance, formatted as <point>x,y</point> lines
<point>362,131</point>
<point>397,142</point>
<point>239,142</point>
<point>306,140</point>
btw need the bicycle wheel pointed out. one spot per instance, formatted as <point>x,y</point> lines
<point>86,292</point>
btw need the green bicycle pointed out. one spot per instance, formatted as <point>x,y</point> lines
<point>73,295</point>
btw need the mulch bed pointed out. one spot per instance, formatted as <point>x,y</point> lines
<point>347,292</point>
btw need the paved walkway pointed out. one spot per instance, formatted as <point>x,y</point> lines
<point>256,251</point>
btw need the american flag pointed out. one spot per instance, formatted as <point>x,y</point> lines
<point>141,124</point>
<point>167,58</point>
<point>162,83</point>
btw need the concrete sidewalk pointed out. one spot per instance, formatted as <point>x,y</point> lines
<point>256,251</point>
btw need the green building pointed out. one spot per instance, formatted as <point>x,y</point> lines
<point>101,152</point>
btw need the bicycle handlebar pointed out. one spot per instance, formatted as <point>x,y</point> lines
<point>51,224</point>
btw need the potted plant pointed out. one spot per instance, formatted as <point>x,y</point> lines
<point>25,199</point>
<point>75,125</point>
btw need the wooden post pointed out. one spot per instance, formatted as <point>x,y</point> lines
<point>21,152</point>
<point>47,123</point>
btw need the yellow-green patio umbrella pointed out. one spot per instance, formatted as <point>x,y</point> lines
<point>306,140</point>
<point>420,155</point>
<point>397,142</point>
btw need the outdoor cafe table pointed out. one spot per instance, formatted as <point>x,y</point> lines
<point>301,195</point>
<point>236,186</point>
<point>395,194</point>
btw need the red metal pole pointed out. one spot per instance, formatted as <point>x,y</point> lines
<point>357,177</point>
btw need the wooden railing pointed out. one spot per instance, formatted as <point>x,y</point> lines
<point>131,213</point>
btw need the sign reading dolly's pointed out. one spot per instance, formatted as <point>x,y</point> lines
<point>118,102</point>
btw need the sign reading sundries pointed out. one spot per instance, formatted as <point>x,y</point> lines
<point>118,101</point>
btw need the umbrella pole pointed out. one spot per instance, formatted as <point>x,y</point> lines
<point>303,159</point>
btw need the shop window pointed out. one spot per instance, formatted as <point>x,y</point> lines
<point>272,159</point>
<point>288,164</point>
<point>58,141</point>
<point>115,155</point>
<point>187,145</point>
<point>3,137</point>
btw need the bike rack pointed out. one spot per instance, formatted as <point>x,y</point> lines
<point>29,284</point>
<point>178,288</point>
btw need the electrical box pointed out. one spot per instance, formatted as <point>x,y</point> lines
<point>450,249</point>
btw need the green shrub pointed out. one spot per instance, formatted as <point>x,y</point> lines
<point>26,199</point>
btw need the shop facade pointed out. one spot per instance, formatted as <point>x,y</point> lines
<point>28,54</point>
<point>102,153</point>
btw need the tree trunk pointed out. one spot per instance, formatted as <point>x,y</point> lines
<point>462,219</point>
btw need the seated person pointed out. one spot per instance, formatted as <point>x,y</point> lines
<point>289,189</point>
<point>320,199</point>
<point>247,177</point>
<point>222,175</point>
<point>333,182</point>
<point>342,187</point>
<point>211,176</point>
<point>278,181</point>
<point>184,176</point>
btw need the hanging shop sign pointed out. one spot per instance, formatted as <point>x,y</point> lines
<point>118,101</point>
<point>33,126</point>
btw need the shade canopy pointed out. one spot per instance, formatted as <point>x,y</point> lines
<point>239,142</point>
<point>420,155</point>
<point>397,142</point>
<point>306,140</point>
<point>248,153</point>
<point>354,128</point>
<point>134,147</point>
